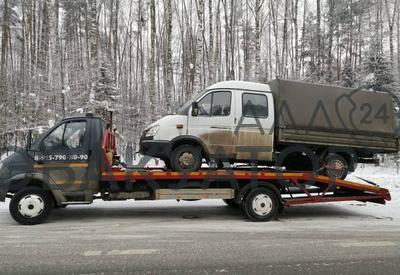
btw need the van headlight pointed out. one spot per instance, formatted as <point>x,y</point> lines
<point>152,131</point>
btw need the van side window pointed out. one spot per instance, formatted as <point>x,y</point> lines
<point>254,105</point>
<point>205,105</point>
<point>215,104</point>
<point>221,104</point>
<point>66,136</point>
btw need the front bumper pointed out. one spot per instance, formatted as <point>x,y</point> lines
<point>155,148</point>
<point>4,186</point>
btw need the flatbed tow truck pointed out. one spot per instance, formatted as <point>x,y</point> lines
<point>75,162</point>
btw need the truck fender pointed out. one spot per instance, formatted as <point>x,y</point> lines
<point>245,190</point>
<point>188,139</point>
<point>19,181</point>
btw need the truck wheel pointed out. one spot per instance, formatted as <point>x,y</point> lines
<point>232,203</point>
<point>186,158</point>
<point>31,205</point>
<point>261,204</point>
<point>336,166</point>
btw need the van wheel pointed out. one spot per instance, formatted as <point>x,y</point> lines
<point>186,158</point>
<point>31,205</point>
<point>261,204</point>
<point>336,166</point>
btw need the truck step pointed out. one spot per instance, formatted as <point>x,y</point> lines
<point>194,194</point>
<point>76,202</point>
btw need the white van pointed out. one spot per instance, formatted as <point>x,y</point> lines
<point>219,122</point>
<point>237,121</point>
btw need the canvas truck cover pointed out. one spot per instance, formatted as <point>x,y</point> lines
<point>322,114</point>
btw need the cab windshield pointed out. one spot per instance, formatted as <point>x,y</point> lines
<point>184,109</point>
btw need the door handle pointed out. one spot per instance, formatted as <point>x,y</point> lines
<point>220,127</point>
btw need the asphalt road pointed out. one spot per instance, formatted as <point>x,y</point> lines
<point>203,237</point>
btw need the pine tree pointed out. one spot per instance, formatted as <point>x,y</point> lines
<point>347,75</point>
<point>379,68</point>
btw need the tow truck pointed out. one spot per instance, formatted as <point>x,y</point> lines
<point>76,162</point>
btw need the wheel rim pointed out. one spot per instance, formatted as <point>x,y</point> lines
<point>186,159</point>
<point>335,168</point>
<point>31,206</point>
<point>262,204</point>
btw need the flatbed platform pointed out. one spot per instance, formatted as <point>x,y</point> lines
<point>325,189</point>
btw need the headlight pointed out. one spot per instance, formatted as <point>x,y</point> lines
<point>152,131</point>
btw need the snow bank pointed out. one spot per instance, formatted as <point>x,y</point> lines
<point>383,176</point>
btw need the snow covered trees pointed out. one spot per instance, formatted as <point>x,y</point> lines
<point>144,58</point>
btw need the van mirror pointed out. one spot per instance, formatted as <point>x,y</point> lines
<point>29,140</point>
<point>195,109</point>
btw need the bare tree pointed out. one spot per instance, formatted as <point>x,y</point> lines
<point>199,46</point>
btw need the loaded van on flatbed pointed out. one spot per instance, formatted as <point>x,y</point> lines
<point>290,124</point>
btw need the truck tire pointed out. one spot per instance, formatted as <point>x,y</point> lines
<point>232,203</point>
<point>186,158</point>
<point>31,205</point>
<point>261,204</point>
<point>336,166</point>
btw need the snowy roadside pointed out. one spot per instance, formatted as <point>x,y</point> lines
<point>385,177</point>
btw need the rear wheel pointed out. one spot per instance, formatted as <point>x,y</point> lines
<point>261,204</point>
<point>336,166</point>
<point>31,205</point>
<point>186,158</point>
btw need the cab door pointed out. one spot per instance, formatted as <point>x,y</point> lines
<point>254,126</point>
<point>214,123</point>
<point>64,154</point>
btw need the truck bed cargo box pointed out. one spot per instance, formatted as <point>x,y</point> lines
<point>334,116</point>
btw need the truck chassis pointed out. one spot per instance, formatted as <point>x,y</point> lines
<point>235,187</point>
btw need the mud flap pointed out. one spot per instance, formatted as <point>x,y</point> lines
<point>3,191</point>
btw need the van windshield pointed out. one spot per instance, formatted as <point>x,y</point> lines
<point>184,109</point>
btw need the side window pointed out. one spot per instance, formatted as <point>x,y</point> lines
<point>215,104</point>
<point>254,105</point>
<point>74,135</point>
<point>54,140</point>
<point>205,105</point>
<point>221,104</point>
<point>66,136</point>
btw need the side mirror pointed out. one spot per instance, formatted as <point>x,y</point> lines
<point>29,140</point>
<point>195,109</point>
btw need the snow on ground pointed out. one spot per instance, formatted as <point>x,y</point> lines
<point>6,155</point>
<point>385,177</point>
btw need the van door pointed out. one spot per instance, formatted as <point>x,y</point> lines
<point>64,154</point>
<point>254,126</point>
<point>215,122</point>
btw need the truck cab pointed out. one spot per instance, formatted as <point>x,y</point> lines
<point>65,160</point>
<point>230,121</point>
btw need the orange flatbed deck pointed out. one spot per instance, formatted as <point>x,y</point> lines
<point>350,190</point>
